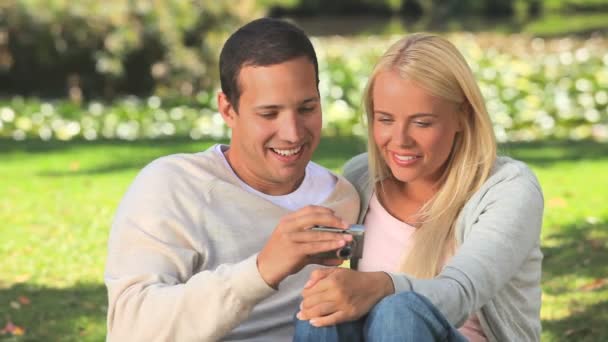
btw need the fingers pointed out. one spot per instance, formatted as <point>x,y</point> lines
<point>309,236</point>
<point>323,280</point>
<point>333,319</point>
<point>322,309</point>
<point>318,275</point>
<point>311,220</point>
<point>310,216</point>
<point>311,210</point>
<point>312,248</point>
<point>325,301</point>
<point>311,303</point>
<point>292,245</point>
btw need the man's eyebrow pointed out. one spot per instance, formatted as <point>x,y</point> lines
<point>277,107</point>
<point>268,107</point>
<point>309,100</point>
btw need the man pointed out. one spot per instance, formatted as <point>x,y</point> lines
<point>215,245</point>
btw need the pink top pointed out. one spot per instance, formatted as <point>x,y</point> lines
<point>386,240</point>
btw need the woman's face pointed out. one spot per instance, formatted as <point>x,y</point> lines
<point>413,130</point>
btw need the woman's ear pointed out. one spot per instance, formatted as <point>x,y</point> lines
<point>226,109</point>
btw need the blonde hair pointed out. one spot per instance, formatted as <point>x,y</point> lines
<point>435,64</point>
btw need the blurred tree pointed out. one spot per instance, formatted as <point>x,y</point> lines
<point>498,8</point>
<point>335,7</point>
<point>411,8</point>
<point>535,8</point>
<point>96,48</point>
<point>440,9</point>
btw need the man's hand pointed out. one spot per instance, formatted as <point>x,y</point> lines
<point>293,245</point>
<point>338,295</point>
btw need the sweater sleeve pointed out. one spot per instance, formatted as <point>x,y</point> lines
<point>154,289</point>
<point>501,233</point>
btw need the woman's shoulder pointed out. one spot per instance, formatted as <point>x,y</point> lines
<point>356,168</point>
<point>510,180</point>
<point>512,194</point>
<point>509,169</point>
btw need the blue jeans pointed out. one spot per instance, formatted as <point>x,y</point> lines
<point>406,316</point>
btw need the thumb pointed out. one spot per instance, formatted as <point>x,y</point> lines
<point>318,275</point>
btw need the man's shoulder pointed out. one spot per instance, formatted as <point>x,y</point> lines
<point>182,166</point>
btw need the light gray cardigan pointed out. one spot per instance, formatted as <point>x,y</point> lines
<point>496,270</point>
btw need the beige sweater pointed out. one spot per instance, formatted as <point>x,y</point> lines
<point>182,256</point>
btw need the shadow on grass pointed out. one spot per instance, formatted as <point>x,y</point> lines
<point>545,153</point>
<point>574,250</point>
<point>135,163</point>
<point>587,324</point>
<point>578,250</point>
<point>56,314</point>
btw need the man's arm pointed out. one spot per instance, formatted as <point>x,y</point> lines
<point>152,288</point>
<point>154,292</point>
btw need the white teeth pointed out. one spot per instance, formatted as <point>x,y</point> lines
<point>287,153</point>
<point>405,158</point>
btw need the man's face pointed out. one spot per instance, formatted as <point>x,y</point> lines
<point>277,127</point>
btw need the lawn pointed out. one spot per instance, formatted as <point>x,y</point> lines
<point>57,200</point>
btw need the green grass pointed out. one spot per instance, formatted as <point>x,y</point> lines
<point>559,25</point>
<point>57,200</point>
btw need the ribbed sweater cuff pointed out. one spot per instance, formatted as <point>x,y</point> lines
<point>400,282</point>
<point>248,283</point>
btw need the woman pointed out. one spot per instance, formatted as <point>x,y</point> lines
<point>452,246</point>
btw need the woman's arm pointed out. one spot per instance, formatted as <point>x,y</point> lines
<point>500,233</point>
<point>502,228</point>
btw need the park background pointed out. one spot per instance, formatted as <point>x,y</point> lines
<point>92,91</point>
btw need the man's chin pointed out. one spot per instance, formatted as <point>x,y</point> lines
<point>293,177</point>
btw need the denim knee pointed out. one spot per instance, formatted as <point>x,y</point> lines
<point>304,330</point>
<point>399,303</point>
<point>406,316</point>
<point>347,331</point>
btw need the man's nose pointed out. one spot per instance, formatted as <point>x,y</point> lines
<point>291,128</point>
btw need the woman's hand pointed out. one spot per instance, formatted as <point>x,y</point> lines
<point>337,295</point>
